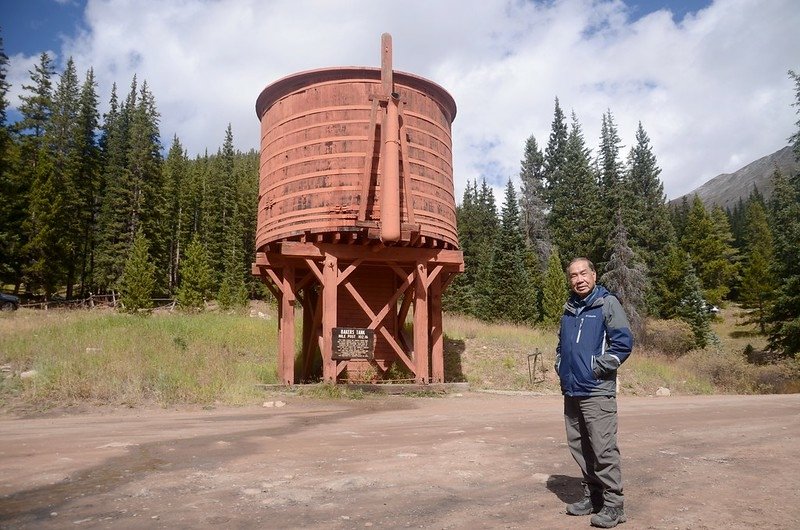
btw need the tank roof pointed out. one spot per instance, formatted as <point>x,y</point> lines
<point>290,83</point>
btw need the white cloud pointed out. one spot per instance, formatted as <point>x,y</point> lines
<point>711,90</point>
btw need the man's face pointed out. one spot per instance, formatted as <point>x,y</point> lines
<point>581,278</point>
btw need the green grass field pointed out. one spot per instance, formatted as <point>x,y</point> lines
<point>62,358</point>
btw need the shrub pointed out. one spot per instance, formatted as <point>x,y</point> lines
<point>669,337</point>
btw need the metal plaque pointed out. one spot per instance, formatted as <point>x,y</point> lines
<point>353,343</point>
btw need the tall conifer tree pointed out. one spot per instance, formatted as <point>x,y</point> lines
<point>176,183</point>
<point>758,281</point>
<point>784,316</point>
<point>575,218</point>
<point>115,228</point>
<point>532,201</point>
<point>43,145</point>
<point>13,207</point>
<point>511,295</point>
<point>87,182</point>
<point>487,223</point>
<point>613,193</point>
<point>626,277</point>
<point>144,163</point>
<point>650,229</point>
<point>555,153</point>
<point>707,239</point>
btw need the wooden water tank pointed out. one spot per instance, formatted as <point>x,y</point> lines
<point>315,146</point>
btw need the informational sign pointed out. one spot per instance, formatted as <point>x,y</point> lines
<point>353,343</point>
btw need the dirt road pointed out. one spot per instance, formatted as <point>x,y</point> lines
<point>461,461</point>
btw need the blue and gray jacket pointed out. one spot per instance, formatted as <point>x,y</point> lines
<point>595,339</point>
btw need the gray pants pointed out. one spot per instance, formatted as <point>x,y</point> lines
<point>592,438</point>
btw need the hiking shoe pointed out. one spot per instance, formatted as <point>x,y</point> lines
<point>584,506</point>
<point>609,517</point>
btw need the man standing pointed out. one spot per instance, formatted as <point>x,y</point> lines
<point>594,340</point>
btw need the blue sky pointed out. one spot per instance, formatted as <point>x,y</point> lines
<point>707,79</point>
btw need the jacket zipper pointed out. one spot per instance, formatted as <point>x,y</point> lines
<point>580,328</point>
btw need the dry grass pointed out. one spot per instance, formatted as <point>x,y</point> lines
<point>103,357</point>
<point>496,356</point>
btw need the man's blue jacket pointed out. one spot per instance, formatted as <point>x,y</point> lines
<point>594,340</point>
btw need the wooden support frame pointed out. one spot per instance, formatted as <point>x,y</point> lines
<point>312,273</point>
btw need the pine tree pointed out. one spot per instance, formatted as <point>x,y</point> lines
<point>144,163</point>
<point>532,203</point>
<point>679,216</point>
<point>195,277</point>
<point>613,193</point>
<point>219,202</point>
<point>727,269</point>
<point>692,308</point>
<point>137,283</point>
<point>176,184</point>
<point>708,240</point>
<point>784,315</point>
<point>737,218</point>
<point>574,219</point>
<point>535,278</point>
<point>487,224</point>
<point>246,174</point>
<point>626,277</point>
<point>232,291</point>
<point>61,197</point>
<point>555,290</point>
<point>758,282</point>
<point>650,232</point>
<point>459,297</point>
<point>555,153</point>
<point>114,229</point>
<point>133,199</point>
<point>87,183</point>
<point>784,217</point>
<point>794,140</point>
<point>41,227</point>
<point>668,279</point>
<point>511,297</point>
<point>13,199</point>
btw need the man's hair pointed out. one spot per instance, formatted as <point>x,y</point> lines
<point>576,260</point>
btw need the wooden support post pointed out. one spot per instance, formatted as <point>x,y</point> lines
<point>330,289</point>
<point>421,332</point>
<point>315,302</point>
<point>437,337</point>
<point>308,332</point>
<point>286,353</point>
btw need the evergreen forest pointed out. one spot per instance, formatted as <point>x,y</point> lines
<point>93,204</point>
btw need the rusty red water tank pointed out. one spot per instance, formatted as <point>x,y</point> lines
<point>316,144</point>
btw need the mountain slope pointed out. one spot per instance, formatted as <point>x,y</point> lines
<point>726,189</point>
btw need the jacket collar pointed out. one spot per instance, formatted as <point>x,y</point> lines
<point>575,304</point>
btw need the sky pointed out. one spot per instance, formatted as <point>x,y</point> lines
<point>706,78</point>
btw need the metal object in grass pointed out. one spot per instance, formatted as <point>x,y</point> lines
<point>537,359</point>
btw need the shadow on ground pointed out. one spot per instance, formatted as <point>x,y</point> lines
<point>568,489</point>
